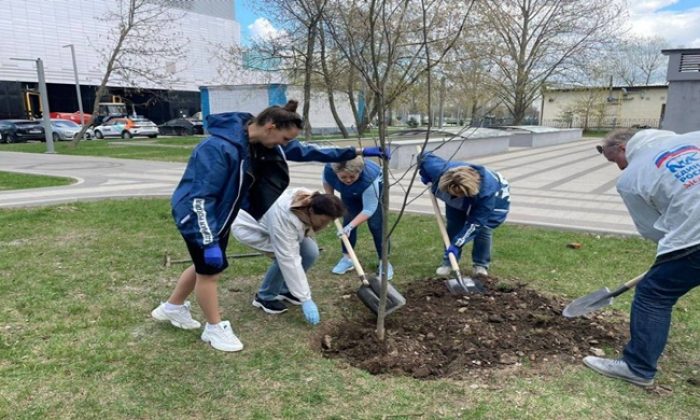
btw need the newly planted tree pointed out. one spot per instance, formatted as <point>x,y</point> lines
<point>391,44</point>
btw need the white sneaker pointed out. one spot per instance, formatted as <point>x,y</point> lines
<point>180,317</point>
<point>480,271</point>
<point>221,337</point>
<point>443,270</point>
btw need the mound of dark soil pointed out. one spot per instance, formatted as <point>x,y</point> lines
<point>441,335</point>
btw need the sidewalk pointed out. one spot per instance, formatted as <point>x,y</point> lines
<point>565,186</point>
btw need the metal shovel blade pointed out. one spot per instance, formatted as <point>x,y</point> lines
<point>464,286</point>
<point>369,295</point>
<point>589,303</point>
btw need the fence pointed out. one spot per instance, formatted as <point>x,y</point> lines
<point>608,123</point>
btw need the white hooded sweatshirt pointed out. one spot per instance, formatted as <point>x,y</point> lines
<point>661,187</point>
<point>279,232</point>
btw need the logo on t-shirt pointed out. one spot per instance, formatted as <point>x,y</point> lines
<point>683,162</point>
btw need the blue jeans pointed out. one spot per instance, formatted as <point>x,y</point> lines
<point>273,282</point>
<point>374,223</point>
<point>653,302</point>
<point>483,241</point>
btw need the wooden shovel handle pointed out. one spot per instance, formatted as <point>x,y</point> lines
<point>443,231</point>
<point>351,252</point>
<point>625,287</point>
<point>630,284</point>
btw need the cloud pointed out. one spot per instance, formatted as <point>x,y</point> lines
<point>263,30</point>
<point>649,6</point>
<point>681,28</point>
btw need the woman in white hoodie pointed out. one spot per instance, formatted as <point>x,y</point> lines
<point>285,231</point>
<point>660,185</point>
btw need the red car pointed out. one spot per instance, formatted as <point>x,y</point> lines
<point>72,116</point>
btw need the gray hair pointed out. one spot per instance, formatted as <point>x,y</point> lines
<point>620,136</point>
<point>352,166</point>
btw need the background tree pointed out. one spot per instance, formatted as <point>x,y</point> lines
<point>639,61</point>
<point>143,45</point>
<point>532,40</point>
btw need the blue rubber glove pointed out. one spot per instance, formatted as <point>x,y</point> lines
<point>213,256</point>
<point>451,250</point>
<point>377,152</point>
<point>311,312</point>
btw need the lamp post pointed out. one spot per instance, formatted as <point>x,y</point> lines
<point>44,96</point>
<point>77,84</point>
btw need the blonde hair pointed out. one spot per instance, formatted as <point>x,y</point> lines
<point>352,166</point>
<point>462,181</point>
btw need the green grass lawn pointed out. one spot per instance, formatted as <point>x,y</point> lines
<point>170,149</point>
<point>17,181</point>
<point>596,133</point>
<point>139,148</point>
<point>76,338</point>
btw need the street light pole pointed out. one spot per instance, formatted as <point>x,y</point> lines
<point>44,97</point>
<point>77,84</point>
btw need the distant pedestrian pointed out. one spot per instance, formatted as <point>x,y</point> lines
<point>660,185</point>
<point>241,165</point>
<point>359,182</point>
<point>477,201</point>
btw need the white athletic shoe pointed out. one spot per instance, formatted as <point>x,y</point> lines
<point>180,317</point>
<point>221,337</point>
<point>443,270</point>
<point>480,271</point>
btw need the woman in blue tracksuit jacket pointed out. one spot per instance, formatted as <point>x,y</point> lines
<point>242,164</point>
<point>477,201</point>
<point>359,182</point>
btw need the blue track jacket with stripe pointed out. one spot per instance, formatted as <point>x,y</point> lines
<point>219,177</point>
<point>489,208</point>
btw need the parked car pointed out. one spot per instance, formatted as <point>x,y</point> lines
<point>126,128</point>
<point>15,131</point>
<point>66,130</point>
<point>72,116</point>
<point>181,127</point>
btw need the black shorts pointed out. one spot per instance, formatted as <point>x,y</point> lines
<point>197,254</point>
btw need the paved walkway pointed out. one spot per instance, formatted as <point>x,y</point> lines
<point>567,186</point>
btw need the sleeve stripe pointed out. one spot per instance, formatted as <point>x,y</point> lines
<point>199,209</point>
<point>467,235</point>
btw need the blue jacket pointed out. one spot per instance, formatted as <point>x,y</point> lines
<point>370,172</point>
<point>489,208</point>
<point>221,174</point>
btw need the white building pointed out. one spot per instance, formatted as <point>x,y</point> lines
<point>596,107</point>
<point>38,29</point>
<point>253,98</point>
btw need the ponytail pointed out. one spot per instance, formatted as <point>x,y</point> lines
<point>283,117</point>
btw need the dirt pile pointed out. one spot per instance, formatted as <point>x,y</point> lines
<point>440,335</point>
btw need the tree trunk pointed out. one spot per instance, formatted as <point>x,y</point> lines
<point>329,88</point>
<point>385,222</point>
<point>474,121</point>
<point>103,84</point>
<point>441,105</point>
<point>308,65</point>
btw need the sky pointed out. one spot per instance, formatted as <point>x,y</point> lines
<point>678,21</point>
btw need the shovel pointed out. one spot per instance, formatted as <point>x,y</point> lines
<point>459,285</point>
<point>371,286</point>
<point>598,299</point>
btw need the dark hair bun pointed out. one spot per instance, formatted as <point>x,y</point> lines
<point>291,105</point>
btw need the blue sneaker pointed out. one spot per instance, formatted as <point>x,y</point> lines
<point>389,272</point>
<point>343,266</point>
